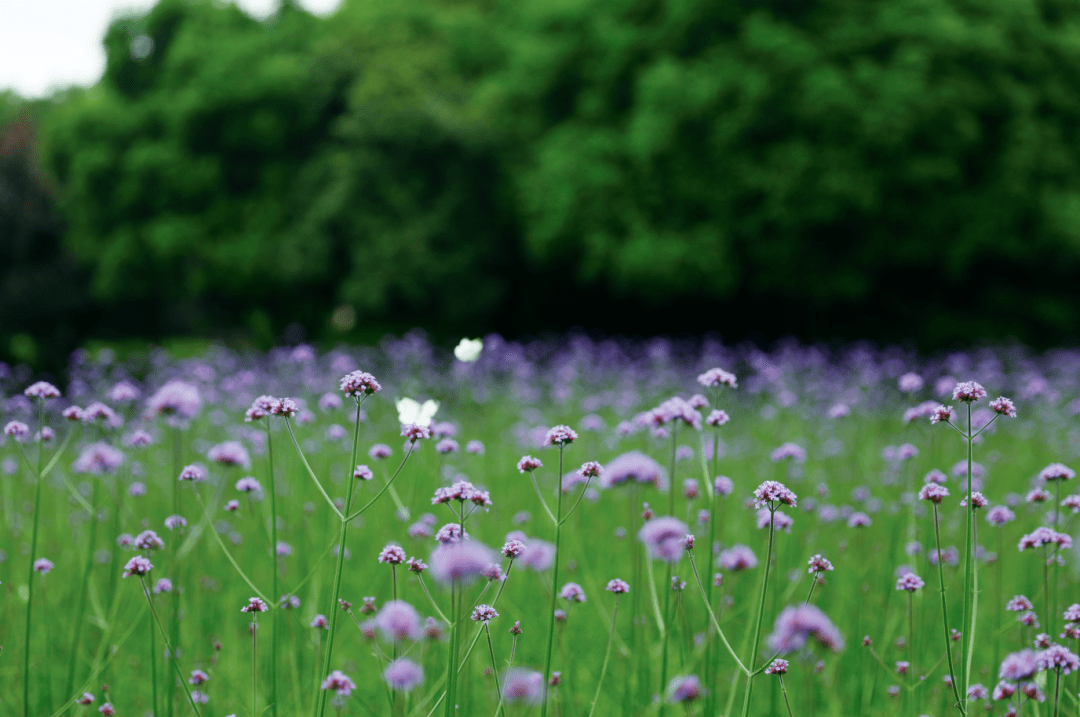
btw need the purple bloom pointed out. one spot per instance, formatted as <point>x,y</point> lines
<point>462,561</point>
<point>770,493</point>
<point>43,566</point>
<point>176,399</point>
<point>909,582</point>
<point>777,667</point>
<point>572,592</point>
<point>560,436</point>
<point>447,445</point>
<point>248,484</point>
<point>1058,657</point>
<point>194,473</point>
<point>664,538</point>
<point>718,377</point>
<point>1019,666</point>
<point>398,620</point>
<point>175,521</point>
<point>819,564</point>
<point>16,429</point>
<point>230,453</point>
<point>528,463</point>
<point>617,586</point>
<point>1055,472</point>
<point>723,485</point>
<point>392,555</point>
<point>254,605</point>
<point>539,555</point>
<point>933,492</point>
<point>475,448</point>
<point>415,432</point>
<point>786,451</point>
<point>1003,406</point>
<point>521,685</point>
<point>359,383</point>
<point>483,613</point>
<point>737,558</point>
<point>137,439</point>
<point>941,414</point>
<point>149,540</point>
<point>633,467</point>
<point>138,565</point>
<point>968,392</point>
<point>338,681</point>
<point>42,390</point>
<point>999,515</point>
<point>98,458</point>
<point>403,675</point>
<point>380,451</point>
<point>683,688</point>
<point>796,624</point>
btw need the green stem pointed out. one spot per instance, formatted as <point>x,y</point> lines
<point>357,514</point>
<point>945,614</point>
<point>666,639</point>
<point>254,663</point>
<point>712,617</point>
<point>760,617</point>
<point>274,634</point>
<point>314,478</point>
<point>554,587</point>
<point>607,656</point>
<point>783,689</point>
<point>33,552</point>
<point>968,640</point>
<point>153,665</point>
<point>494,668</point>
<point>175,664</point>
<point>80,614</point>
<point>343,534</point>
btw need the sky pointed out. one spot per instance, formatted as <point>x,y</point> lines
<point>49,44</point>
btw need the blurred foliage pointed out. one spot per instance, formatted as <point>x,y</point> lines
<point>900,169</point>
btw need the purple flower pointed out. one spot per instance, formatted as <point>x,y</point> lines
<point>617,586</point>
<point>999,515</point>
<point>633,467</point>
<point>359,383</point>
<point>447,445</point>
<point>483,613</point>
<point>560,436</point>
<point>16,429</point>
<point>1056,472</point>
<point>403,675</point>
<point>457,562</point>
<point>1043,536</point>
<point>475,448</point>
<point>398,620</point>
<point>933,492</point>
<point>513,548</point>
<point>254,605</point>
<point>380,451</point>
<point>1019,666</point>
<point>859,520</point>
<point>248,484</point>
<point>788,451</point>
<point>941,414</point>
<point>737,558</point>
<point>1057,657</point>
<point>539,555</point>
<point>176,399</point>
<point>42,390</point>
<point>149,540</point>
<point>338,681</point>
<point>525,686</point>
<point>664,538</point>
<point>777,667</point>
<point>796,624</point>
<point>572,592</point>
<point>1003,407</point>
<point>43,566</point>
<point>723,485</point>
<point>909,582</point>
<point>138,565</point>
<point>968,392</point>
<point>137,439</point>
<point>771,493</point>
<point>683,688</point>
<point>910,382</point>
<point>819,564</point>
<point>718,377</point>
<point>230,453</point>
<point>98,458</point>
<point>415,432</point>
<point>194,473</point>
<point>175,521</point>
<point>320,622</point>
<point>392,555</point>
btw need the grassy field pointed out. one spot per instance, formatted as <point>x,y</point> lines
<point>90,627</point>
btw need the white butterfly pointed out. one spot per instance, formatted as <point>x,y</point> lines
<point>469,350</point>
<point>411,411</point>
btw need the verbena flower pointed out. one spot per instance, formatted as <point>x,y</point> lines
<point>772,493</point>
<point>483,613</point>
<point>617,586</point>
<point>528,463</point>
<point>339,682</point>
<point>910,582</point>
<point>230,453</point>
<point>664,538</point>
<point>737,558</point>
<point>999,515</point>
<point>523,686</point>
<point>254,605</point>
<point>718,377</point>
<point>941,414</point>
<point>137,565</point>
<point>1056,472</point>
<point>1059,658</point>
<point>194,473</point>
<point>460,562</point>
<point>359,383</point>
<point>683,688</point>
<point>819,564</point>
<point>560,436</point>
<point>42,390</point>
<point>633,467</point>
<point>248,484</point>
<point>392,554</point>
<point>1003,406</point>
<point>795,625</point>
<point>403,675</point>
<point>176,399</point>
<point>777,667</point>
<point>788,451</point>
<point>968,392</point>
<point>572,592</point>
<point>398,620</point>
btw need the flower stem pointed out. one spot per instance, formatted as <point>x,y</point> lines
<point>712,616</point>
<point>666,638</point>
<point>945,614</point>
<point>274,634</point>
<point>787,703</point>
<point>254,663</point>
<point>968,644</point>
<point>33,551</point>
<point>168,647</point>
<point>494,668</point>
<point>554,585</point>
<point>607,656</point>
<point>760,616</point>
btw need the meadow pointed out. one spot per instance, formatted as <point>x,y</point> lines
<point>828,573</point>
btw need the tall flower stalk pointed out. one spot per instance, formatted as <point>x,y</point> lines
<point>274,634</point>
<point>560,436</point>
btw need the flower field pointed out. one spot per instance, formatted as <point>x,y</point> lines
<point>562,527</point>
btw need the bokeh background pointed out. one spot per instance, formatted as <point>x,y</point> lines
<point>899,171</point>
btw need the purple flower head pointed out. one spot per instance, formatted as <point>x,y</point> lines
<point>447,445</point>
<point>560,436</point>
<point>107,709</point>
<point>1004,691</point>
<point>415,432</point>
<point>796,625</point>
<point>617,586</point>
<point>329,402</point>
<point>683,688</point>
<point>859,520</point>
<point>515,629</point>
<point>403,675</point>
<point>164,585</point>
<point>138,565</point>
<point>194,473</point>
<point>255,605</point>
<point>416,565</point>
<point>838,410</point>
<point>978,500</point>
<point>98,458</point>
<point>572,592</point>
<point>513,548</point>
<point>941,414</point>
<point>230,453</point>
<point>935,476</point>
<point>16,429</point>
<point>450,533</point>
<point>475,448</point>
<point>717,418</point>
<point>42,390</point>
<point>1003,407</point>
<point>698,401</point>
<point>772,493</point>
<point>459,562</point>
<point>524,686</point>
<point>539,555</point>
<point>933,492</point>
<point>339,682</point>
<point>1058,657</point>
<point>72,413</point>
<point>1056,472</point>
<point>664,538</point>
<point>260,408</point>
<point>287,408</point>
<point>398,620</point>
<point>1019,666</point>
<point>737,558</point>
<point>977,692</point>
<point>1038,495</point>
<point>718,377</point>
<point>359,383</point>
<point>248,484</point>
<point>43,566</point>
<point>85,699</point>
<point>788,451</point>
<point>1072,613</point>
<point>633,467</point>
<point>379,451</point>
<point>819,564</point>
<point>1043,536</point>
<point>175,521</point>
<point>910,382</point>
<point>137,439</point>
<point>362,472</point>
<point>999,515</point>
<point>968,392</point>
<point>777,667</point>
<point>149,540</point>
<point>777,518</point>
<point>98,411</point>
<point>591,469</point>
<point>528,463</point>
<point>320,622</point>
<point>909,582</point>
<point>232,506</point>
<point>723,485</point>
<point>483,613</point>
<point>392,554</point>
<point>177,400</point>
